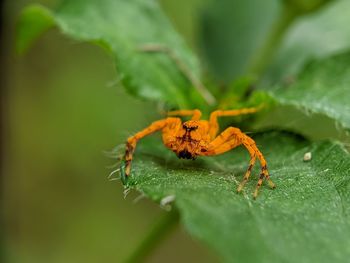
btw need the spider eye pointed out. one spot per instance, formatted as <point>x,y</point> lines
<point>192,128</point>
<point>189,128</point>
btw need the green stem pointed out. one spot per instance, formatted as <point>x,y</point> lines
<point>159,231</point>
<point>264,55</point>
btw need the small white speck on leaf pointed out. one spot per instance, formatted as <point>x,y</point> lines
<point>165,202</point>
<point>307,157</point>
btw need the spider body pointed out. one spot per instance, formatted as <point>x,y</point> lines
<point>198,137</point>
<point>187,140</point>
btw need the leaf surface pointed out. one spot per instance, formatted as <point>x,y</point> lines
<point>34,21</point>
<point>124,28</point>
<point>305,219</point>
<point>322,89</point>
<point>232,30</point>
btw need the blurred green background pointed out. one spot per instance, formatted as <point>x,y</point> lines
<point>64,107</point>
<point>58,203</point>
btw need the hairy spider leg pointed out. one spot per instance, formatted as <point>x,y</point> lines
<point>196,114</point>
<point>131,144</point>
<point>213,119</point>
<point>233,137</point>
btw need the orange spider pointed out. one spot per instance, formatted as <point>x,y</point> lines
<point>198,137</point>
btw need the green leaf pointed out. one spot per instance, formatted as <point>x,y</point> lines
<point>185,16</point>
<point>124,27</point>
<point>305,219</point>
<point>306,6</point>
<point>319,35</point>
<point>231,31</point>
<point>323,89</point>
<point>34,21</point>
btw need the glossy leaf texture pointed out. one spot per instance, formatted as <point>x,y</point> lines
<point>305,219</point>
<point>124,28</point>
<point>322,89</point>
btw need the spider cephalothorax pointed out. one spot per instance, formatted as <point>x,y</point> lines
<point>187,140</point>
<point>199,138</point>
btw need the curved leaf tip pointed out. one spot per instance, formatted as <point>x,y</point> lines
<point>33,22</point>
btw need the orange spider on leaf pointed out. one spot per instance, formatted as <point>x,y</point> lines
<point>198,137</point>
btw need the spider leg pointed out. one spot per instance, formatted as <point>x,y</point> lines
<point>247,173</point>
<point>196,114</point>
<point>233,137</point>
<point>213,119</point>
<point>219,146</point>
<point>131,145</point>
<point>229,145</point>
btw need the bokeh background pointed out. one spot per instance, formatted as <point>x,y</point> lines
<point>62,109</point>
